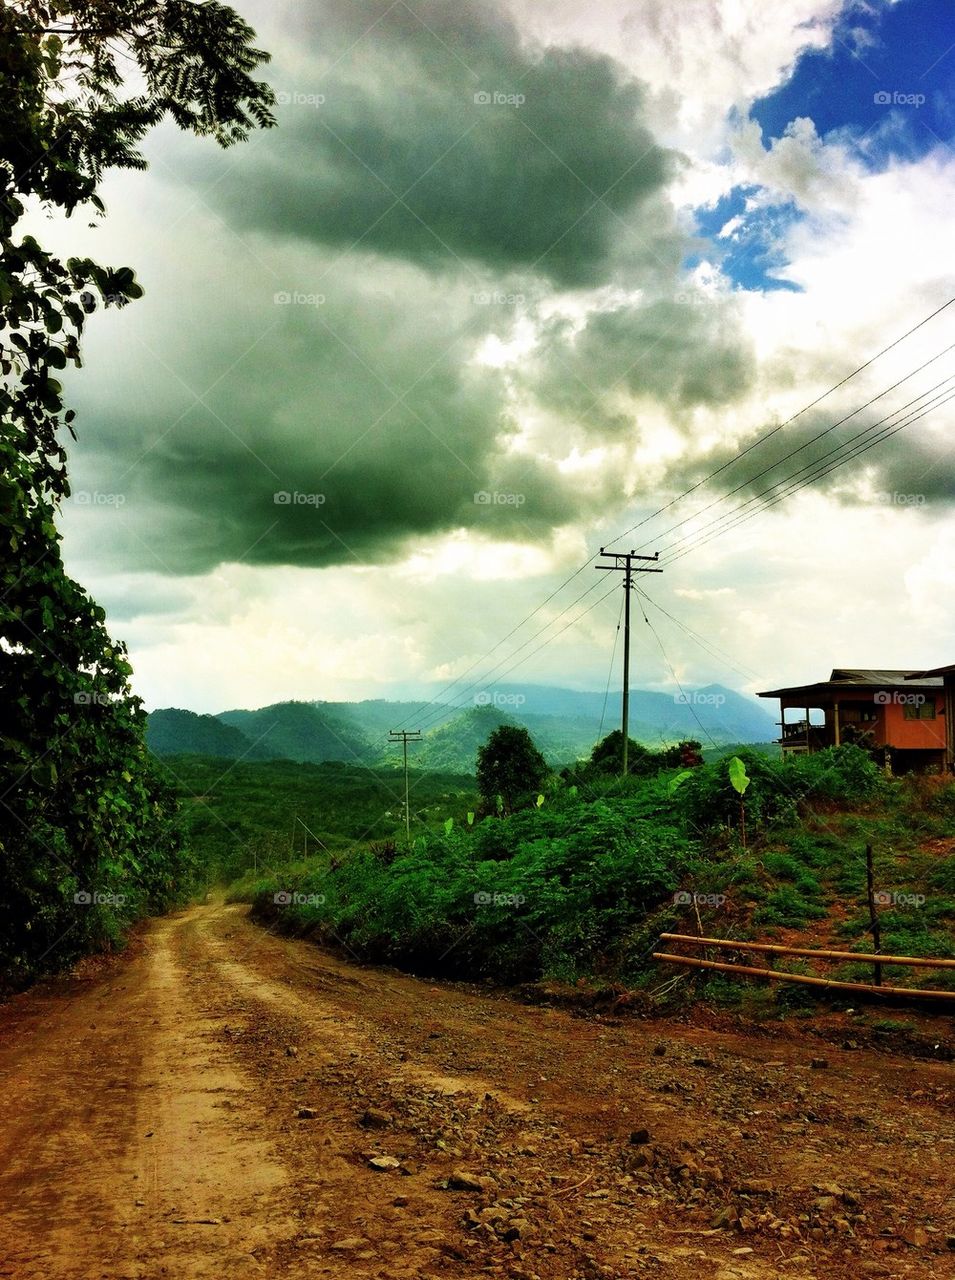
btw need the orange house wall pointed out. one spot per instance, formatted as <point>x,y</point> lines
<point>894,730</point>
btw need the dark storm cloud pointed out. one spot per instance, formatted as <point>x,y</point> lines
<point>679,353</point>
<point>429,132</point>
<point>338,438</point>
<point>368,410</point>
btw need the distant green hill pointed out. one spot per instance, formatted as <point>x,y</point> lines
<point>171,732</point>
<point>301,731</point>
<point>453,746</point>
<point>376,716</point>
<point>565,724</point>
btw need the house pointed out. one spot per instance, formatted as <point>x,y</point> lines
<point>947,675</point>
<point>902,712</point>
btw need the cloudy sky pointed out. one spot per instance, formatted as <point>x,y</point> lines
<point>505,282</point>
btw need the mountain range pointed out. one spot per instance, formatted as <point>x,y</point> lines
<point>565,724</point>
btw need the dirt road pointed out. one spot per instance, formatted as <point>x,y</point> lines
<point>213,1104</point>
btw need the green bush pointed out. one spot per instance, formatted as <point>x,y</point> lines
<point>518,897</point>
<point>779,788</point>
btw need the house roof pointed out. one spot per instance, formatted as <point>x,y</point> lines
<point>936,671</point>
<point>867,676</point>
<point>847,679</point>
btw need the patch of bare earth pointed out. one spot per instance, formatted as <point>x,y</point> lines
<point>232,1102</point>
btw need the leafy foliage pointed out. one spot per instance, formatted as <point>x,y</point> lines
<point>776,788</point>
<point>583,885</point>
<point>510,766</point>
<point>576,879</point>
<point>83,812</point>
<point>605,758</point>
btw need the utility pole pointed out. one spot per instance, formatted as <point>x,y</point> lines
<point>404,736</point>
<point>623,561</point>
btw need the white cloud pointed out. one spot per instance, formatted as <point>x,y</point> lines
<point>788,595</point>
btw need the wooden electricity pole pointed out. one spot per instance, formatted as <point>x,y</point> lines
<point>404,736</point>
<point>623,561</point>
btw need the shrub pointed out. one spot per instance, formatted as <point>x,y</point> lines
<point>778,787</point>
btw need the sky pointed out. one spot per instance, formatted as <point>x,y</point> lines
<point>505,283</point>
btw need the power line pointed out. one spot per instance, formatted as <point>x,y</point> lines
<point>736,518</point>
<point>711,648</point>
<point>613,654</point>
<point>494,672</point>
<point>624,562</point>
<point>520,662</point>
<point>404,737</point>
<point>676,679</point>
<point>434,701</point>
<point>732,516</point>
<point>769,434</point>
<point>812,440</point>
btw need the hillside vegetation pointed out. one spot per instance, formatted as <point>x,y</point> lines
<point>236,816</point>
<point>581,885</point>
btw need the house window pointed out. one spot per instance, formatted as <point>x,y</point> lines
<point>919,711</point>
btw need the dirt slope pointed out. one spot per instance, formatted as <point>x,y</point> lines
<point>151,1127</point>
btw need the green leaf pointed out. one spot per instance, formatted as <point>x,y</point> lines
<point>675,783</point>
<point>738,775</point>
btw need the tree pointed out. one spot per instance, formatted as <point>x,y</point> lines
<point>606,755</point>
<point>510,766</point>
<point>81,811</point>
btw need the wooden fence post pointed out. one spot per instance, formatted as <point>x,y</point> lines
<point>873,914</point>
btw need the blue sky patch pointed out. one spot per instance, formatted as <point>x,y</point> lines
<point>747,253</point>
<point>885,85</point>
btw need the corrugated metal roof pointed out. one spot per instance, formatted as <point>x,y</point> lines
<point>865,675</point>
<point>936,671</point>
<point>849,678</point>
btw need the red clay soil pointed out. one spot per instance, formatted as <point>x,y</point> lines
<point>215,1102</point>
